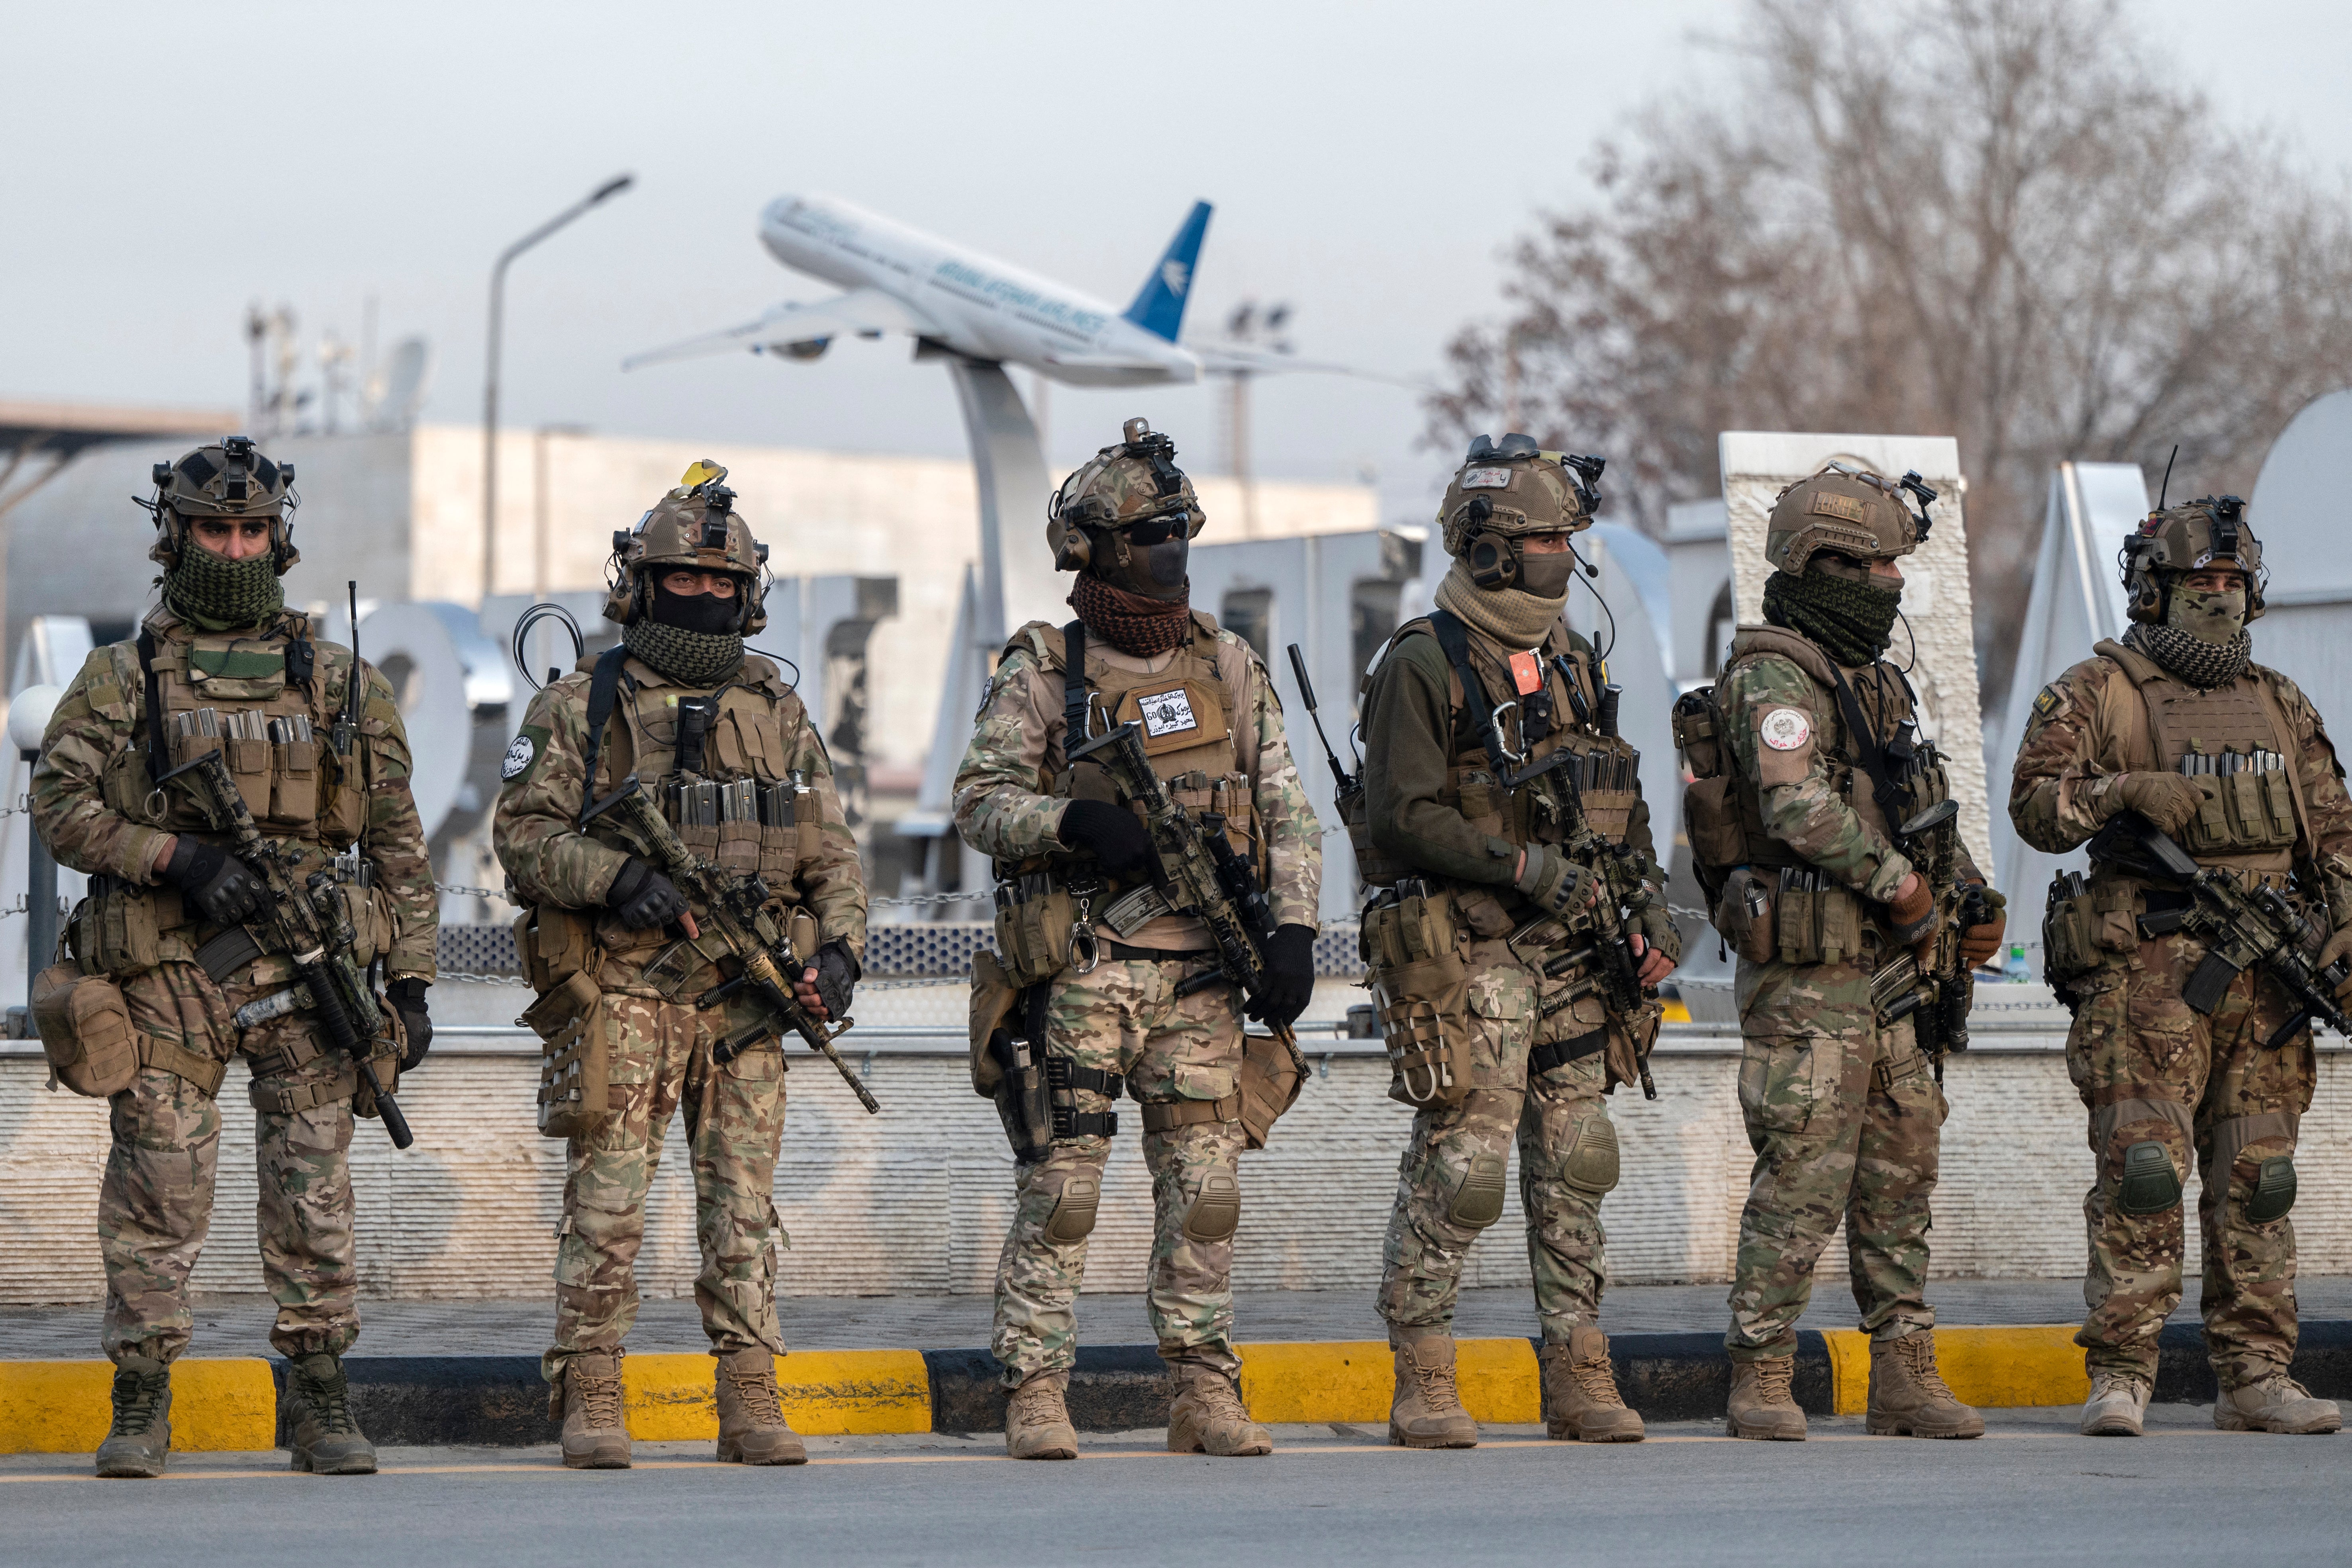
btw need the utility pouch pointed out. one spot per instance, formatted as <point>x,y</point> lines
<point>86,1033</point>
<point>993,996</point>
<point>576,1066</point>
<point>1033,919</point>
<point>1631,1038</point>
<point>1743,915</point>
<point>117,926</point>
<point>294,781</point>
<point>554,944</point>
<point>1273,1072</point>
<point>1424,1016</point>
<point>1409,923</point>
<point>1815,919</point>
<point>2073,927</point>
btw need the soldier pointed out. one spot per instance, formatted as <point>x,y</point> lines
<point>1136,1006</point>
<point>719,738</point>
<point>1494,1014</point>
<point>2179,725</point>
<point>222,663</point>
<point>1795,840</point>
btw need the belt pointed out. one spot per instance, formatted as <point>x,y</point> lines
<point>1126,953</point>
<point>203,1071</point>
<point>1160,1115</point>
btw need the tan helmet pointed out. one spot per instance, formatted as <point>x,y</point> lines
<point>1847,511</point>
<point>228,479</point>
<point>1507,490</point>
<point>2191,537</point>
<point>694,526</point>
<point>1119,486</point>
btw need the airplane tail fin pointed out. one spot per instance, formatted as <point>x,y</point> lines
<point>1158,307</point>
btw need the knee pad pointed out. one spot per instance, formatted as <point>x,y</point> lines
<point>1073,1219</point>
<point>2150,1185</point>
<point>1216,1209</point>
<point>1590,1166</point>
<point>2273,1192</point>
<point>1479,1200</point>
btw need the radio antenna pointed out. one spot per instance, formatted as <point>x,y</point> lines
<point>2166,489</point>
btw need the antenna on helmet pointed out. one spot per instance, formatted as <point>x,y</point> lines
<point>2166,489</point>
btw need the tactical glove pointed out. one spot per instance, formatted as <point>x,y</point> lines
<point>408,996</point>
<point>2167,800</point>
<point>1290,977</point>
<point>1912,910</point>
<point>1656,924</point>
<point>225,891</point>
<point>642,897</point>
<point>1553,882</point>
<point>1979,942</point>
<point>2338,946</point>
<point>836,973</point>
<point>1112,834</point>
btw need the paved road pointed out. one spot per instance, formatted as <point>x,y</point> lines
<point>239,1325</point>
<point>2030,1492</point>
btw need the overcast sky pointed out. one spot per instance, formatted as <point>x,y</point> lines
<point>168,163</point>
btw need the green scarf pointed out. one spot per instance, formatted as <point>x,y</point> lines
<point>1849,621</point>
<point>218,595</point>
<point>690,659</point>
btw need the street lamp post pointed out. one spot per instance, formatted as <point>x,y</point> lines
<point>610,188</point>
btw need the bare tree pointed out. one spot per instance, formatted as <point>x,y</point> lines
<point>1995,219</point>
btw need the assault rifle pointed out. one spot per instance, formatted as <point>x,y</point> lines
<point>1195,873</point>
<point>1622,892</point>
<point>1937,995</point>
<point>2241,929</point>
<point>311,926</point>
<point>738,908</point>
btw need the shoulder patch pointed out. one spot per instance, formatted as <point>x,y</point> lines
<point>1784,729</point>
<point>2049,701</point>
<point>522,755</point>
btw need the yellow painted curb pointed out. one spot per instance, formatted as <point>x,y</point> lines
<point>826,1393</point>
<point>63,1406</point>
<point>2033,1363</point>
<point>1354,1380</point>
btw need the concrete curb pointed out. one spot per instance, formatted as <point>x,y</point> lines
<point>500,1401</point>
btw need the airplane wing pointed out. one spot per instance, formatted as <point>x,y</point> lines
<point>1224,358</point>
<point>868,311</point>
<point>1103,363</point>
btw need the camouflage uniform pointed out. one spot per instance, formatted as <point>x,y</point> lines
<point>1123,1016</point>
<point>2149,1067</point>
<point>660,1050</point>
<point>94,805</point>
<point>1843,1113</point>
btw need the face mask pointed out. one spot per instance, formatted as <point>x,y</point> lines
<point>696,612</point>
<point>1155,571</point>
<point>2207,615</point>
<point>1546,576</point>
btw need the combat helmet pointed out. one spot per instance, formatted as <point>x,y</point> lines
<point>1847,511</point>
<point>696,527</point>
<point>229,477</point>
<point>2191,537</point>
<point>1507,490</point>
<point>1135,481</point>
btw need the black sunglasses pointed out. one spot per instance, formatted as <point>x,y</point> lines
<point>1158,530</point>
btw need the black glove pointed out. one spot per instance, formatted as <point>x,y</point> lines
<point>1110,833</point>
<point>408,996</point>
<point>225,891</point>
<point>1290,977</point>
<point>643,897</point>
<point>836,971</point>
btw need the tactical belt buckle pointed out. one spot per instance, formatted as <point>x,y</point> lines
<point>672,967</point>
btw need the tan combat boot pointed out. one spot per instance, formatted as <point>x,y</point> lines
<point>1580,1402</point>
<point>1427,1410</point>
<point>1209,1417</point>
<point>2275,1404</point>
<point>326,1441</point>
<point>1760,1402</point>
<point>141,1437</point>
<point>589,1399</point>
<point>1037,1423</point>
<point>2118,1405</point>
<point>751,1427</point>
<point>1909,1398</point>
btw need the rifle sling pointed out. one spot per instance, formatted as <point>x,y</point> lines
<point>159,753</point>
<point>1074,685</point>
<point>1872,754</point>
<point>604,689</point>
<point>1454,640</point>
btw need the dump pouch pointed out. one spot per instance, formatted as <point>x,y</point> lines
<point>994,997</point>
<point>1631,1039</point>
<point>86,1033</point>
<point>1273,1072</point>
<point>1424,1018</point>
<point>576,1066</point>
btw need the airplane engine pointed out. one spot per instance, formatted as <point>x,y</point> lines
<point>807,348</point>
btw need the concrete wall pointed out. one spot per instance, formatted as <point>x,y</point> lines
<point>916,1200</point>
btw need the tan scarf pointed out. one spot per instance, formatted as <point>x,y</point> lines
<point>1511,617</point>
